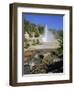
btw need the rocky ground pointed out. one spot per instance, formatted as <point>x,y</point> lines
<point>44,45</point>
<point>42,61</point>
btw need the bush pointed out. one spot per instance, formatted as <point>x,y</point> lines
<point>37,41</point>
<point>26,45</point>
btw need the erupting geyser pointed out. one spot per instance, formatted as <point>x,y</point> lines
<point>48,36</point>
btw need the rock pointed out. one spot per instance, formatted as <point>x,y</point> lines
<point>48,59</point>
<point>27,69</point>
<point>40,68</point>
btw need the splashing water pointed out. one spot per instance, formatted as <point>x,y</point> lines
<point>48,36</point>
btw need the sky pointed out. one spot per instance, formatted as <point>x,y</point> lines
<point>53,21</point>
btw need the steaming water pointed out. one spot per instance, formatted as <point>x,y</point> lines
<point>48,36</point>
